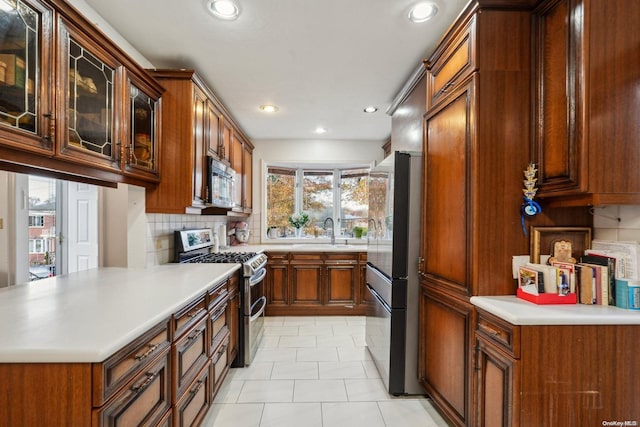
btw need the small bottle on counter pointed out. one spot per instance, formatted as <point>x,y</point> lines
<point>216,243</point>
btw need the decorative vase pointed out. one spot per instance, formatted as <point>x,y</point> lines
<point>298,232</point>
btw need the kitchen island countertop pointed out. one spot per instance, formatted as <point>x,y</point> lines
<point>520,312</point>
<point>89,315</point>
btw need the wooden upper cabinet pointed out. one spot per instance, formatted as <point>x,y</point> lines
<point>26,95</point>
<point>67,98</point>
<point>586,129</point>
<point>227,131</point>
<point>236,164</point>
<point>182,155</point>
<point>91,78</point>
<point>242,163</point>
<point>194,126</point>
<point>247,178</point>
<point>456,61</point>
<point>143,134</point>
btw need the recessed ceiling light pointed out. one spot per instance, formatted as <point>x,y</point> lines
<point>224,9</point>
<point>370,109</point>
<point>423,11</point>
<point>268,108</point>
<point>321,130</point>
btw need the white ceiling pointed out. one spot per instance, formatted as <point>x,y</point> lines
<point>320,61</point>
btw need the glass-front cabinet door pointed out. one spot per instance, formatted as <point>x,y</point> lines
<point>143,106</point>
<point>91,75</point>
<point>25,61</point>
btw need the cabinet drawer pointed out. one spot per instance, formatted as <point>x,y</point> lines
<point>144,401</point>
<point>218,326</point>
<point>341,258</point>
<point>188,316</point>
<point>455,62</point>
<point>217,294</point>
<point>303,257</point>
<point>118,369</point>
<point>219,362</point>
<point>195,403</point>
<point>190,355</point>
<point>278,257</point>
<point>500,332</point>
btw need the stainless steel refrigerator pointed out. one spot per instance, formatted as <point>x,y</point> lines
<point>392,270</point>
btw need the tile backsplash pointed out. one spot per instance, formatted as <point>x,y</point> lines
<point>616,223</point>
<point>160,228</point>
<point>609,223</point>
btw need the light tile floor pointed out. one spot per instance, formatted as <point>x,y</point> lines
<point>314,372</point>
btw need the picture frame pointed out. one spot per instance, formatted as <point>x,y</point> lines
<point>544,238</point>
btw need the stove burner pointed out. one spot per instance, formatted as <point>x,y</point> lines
<point>222,257</point>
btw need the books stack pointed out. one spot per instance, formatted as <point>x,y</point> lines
<point>607,274</point>
<point>547,284</point>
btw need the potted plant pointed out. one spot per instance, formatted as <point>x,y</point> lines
<point>358,232</point>
<point>298,221</point>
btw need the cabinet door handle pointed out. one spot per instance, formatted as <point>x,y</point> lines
<point>195,335</point>
<point>486,329</point>
<point>152,347</point>
<point>52,126</point>
<point>197,387</point>
<point>195,313</point>
<point>137,389</point>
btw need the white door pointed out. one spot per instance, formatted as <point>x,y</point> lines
<point>79,236</point>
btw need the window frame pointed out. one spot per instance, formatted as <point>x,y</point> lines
<point>299,171</point>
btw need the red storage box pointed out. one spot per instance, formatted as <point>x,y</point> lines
<point>548,298</point>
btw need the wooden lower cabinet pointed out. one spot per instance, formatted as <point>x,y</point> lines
<point>168,376</point>
<point>144,401</point>
<point>277,280</point>
<point>315,283</point>
<point>446,328</point>
<point>194,404</point>
<point>307,280</point>
<point>548,375</point>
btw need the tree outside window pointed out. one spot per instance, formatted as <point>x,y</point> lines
<point>342,194</point>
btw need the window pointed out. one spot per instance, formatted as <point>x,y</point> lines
<point>36,221</point>
<point>280,196</point>
<point>341,194</point>
<point>38,246</point>
<point>317,196</point>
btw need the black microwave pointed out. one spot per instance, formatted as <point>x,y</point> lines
<point>221,184</point>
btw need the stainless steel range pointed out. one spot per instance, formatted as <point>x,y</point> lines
<point>195,246</point>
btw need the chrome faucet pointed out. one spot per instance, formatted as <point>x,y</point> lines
<point>372,230</point>
<point>333,232</point>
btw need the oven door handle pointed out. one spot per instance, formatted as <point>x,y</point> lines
<point>262,300</point>
<point>257,278</point>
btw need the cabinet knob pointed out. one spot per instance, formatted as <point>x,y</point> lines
<point>52,126</point>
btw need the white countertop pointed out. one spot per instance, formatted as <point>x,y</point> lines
<point>520,312</point>
<point>88,316</point>
<point>310,246</point>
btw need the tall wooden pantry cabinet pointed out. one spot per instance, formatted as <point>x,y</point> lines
<point>476,147</point>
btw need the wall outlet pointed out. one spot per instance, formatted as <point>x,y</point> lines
<point>1,223</point>
<point>158,243</point>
